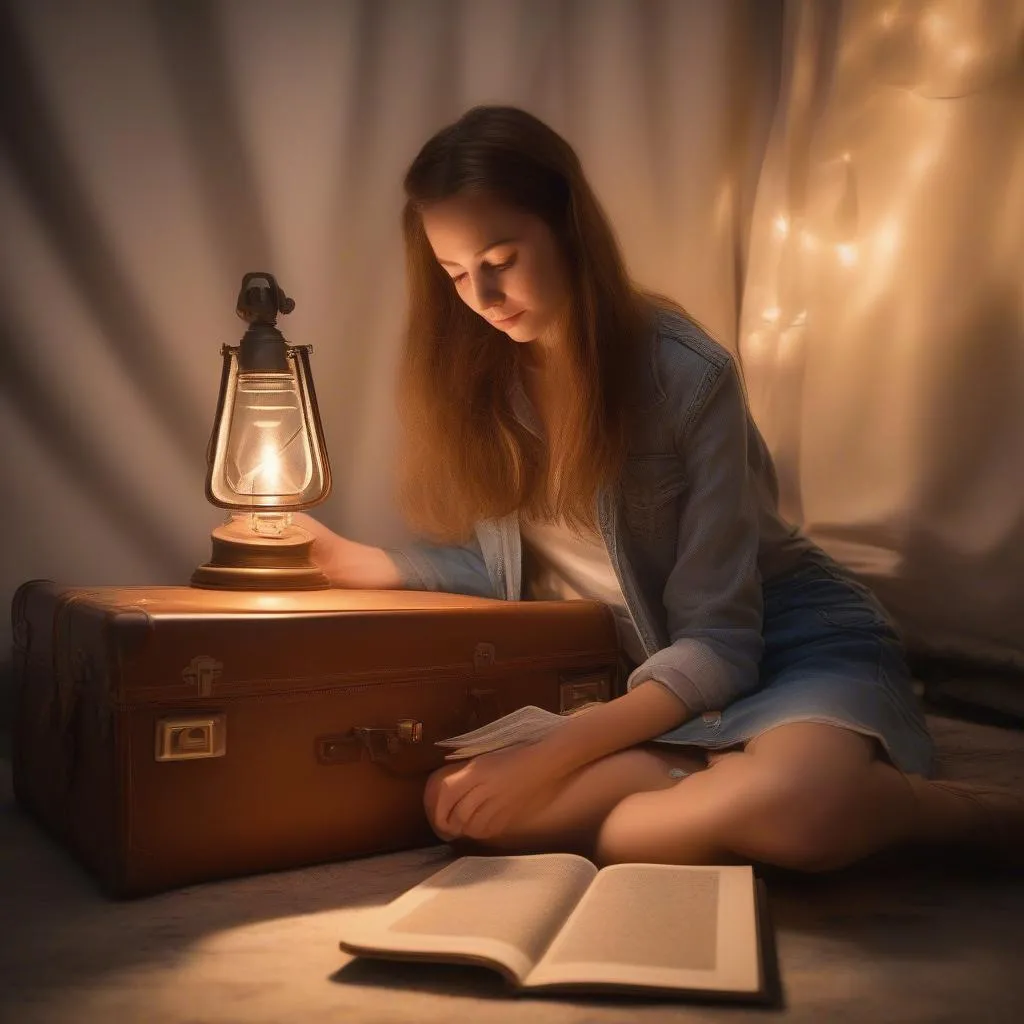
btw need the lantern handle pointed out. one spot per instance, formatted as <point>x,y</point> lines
<point>261,299</point>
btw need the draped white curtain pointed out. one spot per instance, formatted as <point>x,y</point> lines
<point>882,331</point>
<point>153,152</point>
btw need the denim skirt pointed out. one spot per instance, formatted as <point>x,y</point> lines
<point>831,655</point>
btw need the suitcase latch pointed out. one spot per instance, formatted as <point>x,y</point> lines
<point>380,743</point>
<point>190,738</point>
<point>203,672</point>
<point>585,688</point>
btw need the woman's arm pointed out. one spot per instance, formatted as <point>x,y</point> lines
<point>712,599</point>
<point>648,710</point>
<point>483,796</point>
<point>347,563</point>
<point>713,595</point>
<point>454,569</point>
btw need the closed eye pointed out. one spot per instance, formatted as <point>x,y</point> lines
<point>497,267</point>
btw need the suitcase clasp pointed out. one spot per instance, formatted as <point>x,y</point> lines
<point>577,689</point>
<point>380,743</point>
<point>188,738</point>
<point>203,672</point>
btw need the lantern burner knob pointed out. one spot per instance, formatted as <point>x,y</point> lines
<point>261,299</point>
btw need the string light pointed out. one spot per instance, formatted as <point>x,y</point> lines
<point>847,253</point>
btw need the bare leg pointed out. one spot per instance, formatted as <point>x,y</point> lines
<point>567,817</point>
<point>806,796</point>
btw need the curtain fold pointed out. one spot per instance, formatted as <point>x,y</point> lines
<point>154,152</point>
<point>834,189</point>
<point>882,334</point>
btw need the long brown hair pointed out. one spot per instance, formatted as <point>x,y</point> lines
<point>464,455</point>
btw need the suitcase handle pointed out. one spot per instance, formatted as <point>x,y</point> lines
<point>380,743</point>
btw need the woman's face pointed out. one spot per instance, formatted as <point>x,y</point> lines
<point>505,264</point>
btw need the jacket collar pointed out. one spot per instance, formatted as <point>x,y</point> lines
<point>651,394</point>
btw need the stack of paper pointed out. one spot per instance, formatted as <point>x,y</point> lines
<point>525,725</point>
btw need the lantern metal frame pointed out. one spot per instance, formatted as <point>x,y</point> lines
<point>243,557</point>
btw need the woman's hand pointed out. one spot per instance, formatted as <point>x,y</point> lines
<point>328,551</point>
<point>484,797</point>
<point>347,563</point>
<point>488,793</point>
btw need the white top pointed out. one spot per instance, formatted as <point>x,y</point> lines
<point>566,567</point>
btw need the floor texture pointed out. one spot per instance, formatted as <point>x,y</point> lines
<point>895,941</point>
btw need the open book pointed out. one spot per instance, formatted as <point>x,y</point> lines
<point>553,921</point>
<point>524,725</point>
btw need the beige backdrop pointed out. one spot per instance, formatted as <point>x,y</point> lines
<point>154,152</point>
<point>883,320</point>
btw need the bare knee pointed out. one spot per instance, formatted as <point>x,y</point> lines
<point>808,825</point>
<point>810,807</point>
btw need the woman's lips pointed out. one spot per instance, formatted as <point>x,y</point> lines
<point>509,319</point>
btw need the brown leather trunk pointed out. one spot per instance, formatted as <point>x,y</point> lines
<point>169,735</point>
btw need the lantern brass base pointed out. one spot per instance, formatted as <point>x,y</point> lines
<point>242,560</point>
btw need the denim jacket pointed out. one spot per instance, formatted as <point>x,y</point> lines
<point>692,528</point>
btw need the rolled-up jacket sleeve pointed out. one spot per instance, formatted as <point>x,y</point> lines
<point>713,596</point>
<point>453,569</point>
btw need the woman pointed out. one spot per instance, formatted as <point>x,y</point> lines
<point>567,435</point>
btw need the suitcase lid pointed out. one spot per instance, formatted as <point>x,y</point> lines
<point>160,644</point>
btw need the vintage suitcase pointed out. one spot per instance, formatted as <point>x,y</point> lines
<point>170,735</point>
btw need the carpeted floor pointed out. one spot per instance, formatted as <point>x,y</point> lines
<point>894,941</point>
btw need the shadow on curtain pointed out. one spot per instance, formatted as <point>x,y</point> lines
<point>882,333</point>
<point>153,152</point>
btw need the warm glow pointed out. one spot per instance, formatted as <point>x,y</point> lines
<point>847,253</point>
<point>781,224</point>
<point>771,314</point>
<point>887,238</point>
<point>269,524</point>
<point>268,449</point>
<point>268,471</point>
<point>963,54</point>
<point>935,25</point>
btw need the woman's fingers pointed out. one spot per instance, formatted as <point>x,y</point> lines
<point>312,526</point>
<point>462,813</point>
<point>452,789</point>
<point>326,543</point>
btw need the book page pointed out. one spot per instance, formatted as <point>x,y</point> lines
<point>500,910</point>
<point>662,926</point>
<point>524,725</point>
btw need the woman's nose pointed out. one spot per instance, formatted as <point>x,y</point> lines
<point>486,293</point>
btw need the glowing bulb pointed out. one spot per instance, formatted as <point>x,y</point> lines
<point>269,468</point>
